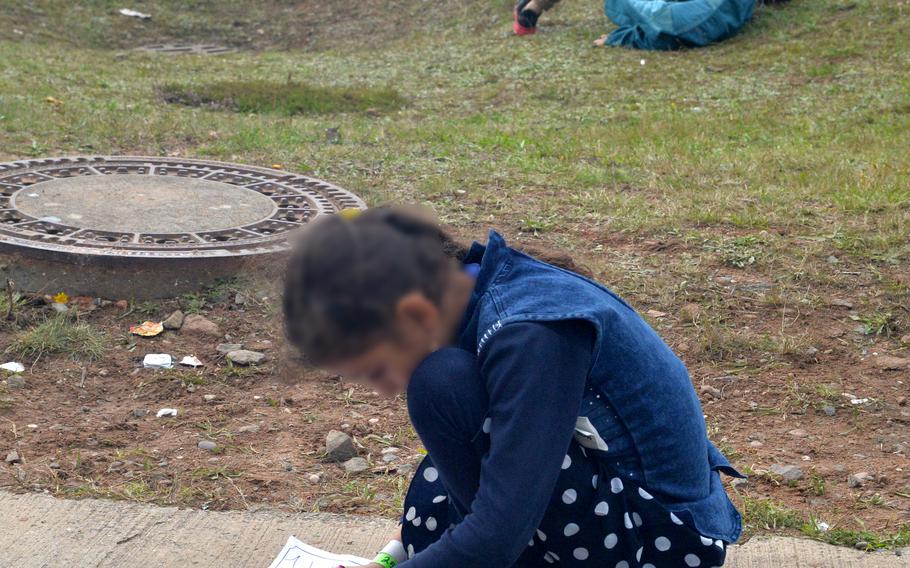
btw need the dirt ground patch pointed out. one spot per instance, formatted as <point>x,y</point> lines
<point>823,403</point>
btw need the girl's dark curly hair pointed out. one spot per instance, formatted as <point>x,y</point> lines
<point>346,276</point>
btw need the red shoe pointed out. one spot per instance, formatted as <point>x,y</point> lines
<point>525,20</point>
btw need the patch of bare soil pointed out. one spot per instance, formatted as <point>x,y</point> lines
<point>784,385</point>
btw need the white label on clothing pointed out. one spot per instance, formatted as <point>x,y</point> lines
<point>587,436</point>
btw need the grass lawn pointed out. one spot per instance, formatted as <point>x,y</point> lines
<point>753,197</point>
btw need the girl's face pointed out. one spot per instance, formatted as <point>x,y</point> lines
<point>417,331</point>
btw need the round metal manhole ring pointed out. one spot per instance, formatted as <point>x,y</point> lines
<point>183,48</point>
<point>146,207</point>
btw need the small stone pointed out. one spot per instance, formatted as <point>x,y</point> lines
<point>195,324</point>
<point>902,401</point>
<point>811,352</point>
<point>240,299</point>
<point>174,321</point>
<point>209,397</point>
<point>339,446</point>
<point>389,458</point>
<point>314,478</point>
<point>207,445</point>
<point>13,457</point>
<point>906,339</point>
<point>373,421</point>
<point>16,382</point>
<point>714,392</point>
<point>689,313</point>
<point>139,413</point>
<point>787,472</point>
<point>829,410</point>
<point>53,465</point>
<point>356,465</point>
<point>888,363</point>
<point>225,348</point>
<point>798,433</point>
<point>840,303</point>
<point>738,483</point>
<point>250,429</point>
<point>245,357</point>
<point>288,466</point>
<point>755,444</point>
<point>859,479</point>
<point>405,469</point>
<point>861,545</point>
<point>385,451</point>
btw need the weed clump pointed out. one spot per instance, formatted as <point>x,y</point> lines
<point>60,335</point>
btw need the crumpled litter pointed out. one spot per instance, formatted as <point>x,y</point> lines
<point>148,329</point>
<point>191,361</point>
<point>13,367</point>
<point>158,361</point>
<point>167,413</point>
<point>134,14</point>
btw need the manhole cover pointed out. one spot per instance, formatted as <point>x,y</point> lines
<point>154,214</point>
<point>179,48</point>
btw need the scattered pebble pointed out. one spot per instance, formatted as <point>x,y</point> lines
<point>207,445</point>
<point>738,482</point>
<point>859,479</point>
<point>53,465</point>
<point>13,457</point>
<point>712,391</point>
<point>195,324</point>
<point>829,410</point>
<point>389,458</point>
<point>209,397</point>
<point>174,321</point>
<point>888,363</point>
<point>167,413</point>
<point>798,433</point>
<point>842,303</point>
<point>314,478</point>
<point>245,357</point>
<point>373,421</point>
<point>787,472</point>
<point>906,339</point>
<point>339,447</point>
<point>356,465</point>
<point>249,429</point>
<point>902,401</point>
<point>689,313</point>
<point>16,382</point>
<point>139,413</point>
<point>225,348</point>
<point>756,444</point>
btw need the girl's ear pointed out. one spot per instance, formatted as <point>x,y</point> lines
<point>416,311</point>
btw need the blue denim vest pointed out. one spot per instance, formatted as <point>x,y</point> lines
<point>643,381</point>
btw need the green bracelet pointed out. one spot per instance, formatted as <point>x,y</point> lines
<point>385,560</point>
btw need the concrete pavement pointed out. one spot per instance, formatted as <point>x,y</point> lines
<point>38,531</point>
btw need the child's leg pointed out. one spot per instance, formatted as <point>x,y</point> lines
<point>448,403</point>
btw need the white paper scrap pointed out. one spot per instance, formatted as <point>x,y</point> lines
<point>191,361</point>
<point>297,554</point>
<point>13,367</point>
<point>158,361</point>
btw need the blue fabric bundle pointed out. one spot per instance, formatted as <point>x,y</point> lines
<point>668,24</point>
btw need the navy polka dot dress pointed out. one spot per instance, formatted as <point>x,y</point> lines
<point>594,518</point>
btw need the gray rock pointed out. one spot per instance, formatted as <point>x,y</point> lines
<point>738,483</point>
<point>405,469</point>
<point>859,479</point>
<point>207,445</point>
<point>174,321</point>
<point>841,303</point>
<point>13,457</point>
<point>314,478</point>
<point>356,465</point>
<point>829,410</point>
<point>209,397</point>
<point>245,357</point>
<point>225,348</point>
<point>861,545</point>
<point>798,433</point>
<point>53,465</point>
<point>714,392</point>
<point>16,382</point>
<point>787,472</point>
<point>195,324</point>
<point>249,429</point>
<point>240,299</point>
<point>339,446</point>
<point>139,413</point>
<point>389,458</point>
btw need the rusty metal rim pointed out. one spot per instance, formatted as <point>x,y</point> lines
<point>297,197</point>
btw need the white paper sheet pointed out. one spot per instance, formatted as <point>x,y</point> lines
<point>297,554</point>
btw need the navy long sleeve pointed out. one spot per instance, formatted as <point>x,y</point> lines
<point>535,375</point>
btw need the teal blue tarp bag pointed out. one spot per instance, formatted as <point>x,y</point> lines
<point>665,25</point>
